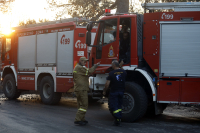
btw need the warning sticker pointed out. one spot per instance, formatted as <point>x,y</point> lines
<point>80,53</point>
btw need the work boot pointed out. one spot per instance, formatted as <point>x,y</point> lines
<point>86,122</point>
<point>79,123</point>
<point>117,122</point>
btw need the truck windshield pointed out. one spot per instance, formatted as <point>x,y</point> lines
<point>8,44</point>
<point>108,32</point>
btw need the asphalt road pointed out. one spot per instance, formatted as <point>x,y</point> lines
<point>29,115</point>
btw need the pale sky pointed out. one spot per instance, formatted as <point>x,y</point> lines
<point>22,10</point>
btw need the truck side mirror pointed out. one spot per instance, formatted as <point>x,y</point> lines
<point>89,26</point>
<point>88,38</point>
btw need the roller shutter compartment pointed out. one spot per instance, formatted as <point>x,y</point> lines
<point>180,49</point>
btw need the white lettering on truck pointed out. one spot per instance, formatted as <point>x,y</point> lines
<point>167,16</point>
<point>27,78</point>
<point>78,44</point>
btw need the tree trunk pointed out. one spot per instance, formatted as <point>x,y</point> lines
<point>122,6</point>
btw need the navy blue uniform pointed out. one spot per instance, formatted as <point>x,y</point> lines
<point>117,83</point>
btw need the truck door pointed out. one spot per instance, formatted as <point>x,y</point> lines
<point>6,51</point>
<point>108,41</point>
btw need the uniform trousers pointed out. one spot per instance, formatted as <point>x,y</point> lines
<point>115,103</point>
<point>82,103</point>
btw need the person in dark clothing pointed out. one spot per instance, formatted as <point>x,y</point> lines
<point>116,81</point>
<point>124,43</point>
<point>124,51</point>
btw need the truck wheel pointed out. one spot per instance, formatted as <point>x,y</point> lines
<point>9,87</point>
<point>47,93</point>
<point>134,102</point>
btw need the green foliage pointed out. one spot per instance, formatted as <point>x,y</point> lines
<point>22,23</point>
<point>135,7</point>
<point>91,9</point>
<point>31,21</point>
<point>5,5</point>
<point>43,20</point>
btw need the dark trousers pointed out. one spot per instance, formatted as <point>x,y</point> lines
<point>115,103</point>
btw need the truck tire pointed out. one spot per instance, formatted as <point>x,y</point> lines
<point>47,93</point>
<point>134,102</point>
<point>9,87</point>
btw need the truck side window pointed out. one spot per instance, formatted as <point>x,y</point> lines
<point>99,43</point>
<point>8,44</point>
<point>106,35</point>
<point>125,40</point>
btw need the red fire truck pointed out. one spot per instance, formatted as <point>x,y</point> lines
<point>161,57</point>
<point>41,57</point>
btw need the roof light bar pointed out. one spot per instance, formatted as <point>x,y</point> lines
<point>107,10</point>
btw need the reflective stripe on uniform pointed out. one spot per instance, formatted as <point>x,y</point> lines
<point>74,71</point>
<point>86,72</point>
<point>116,111</point>
<point>82,109</point>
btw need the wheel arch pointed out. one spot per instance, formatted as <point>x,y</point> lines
<point>142,78</point>
<point>39,79</point>
<point>9,70</point>
<point>52,97</point>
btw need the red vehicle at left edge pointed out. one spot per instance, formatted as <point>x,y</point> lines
<point>41,57</point>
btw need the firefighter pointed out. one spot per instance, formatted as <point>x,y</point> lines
<point>116,80</point>
<point>124,52</point>
<point>81,88</point>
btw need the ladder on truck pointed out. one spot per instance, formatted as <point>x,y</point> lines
<point>176,6</point>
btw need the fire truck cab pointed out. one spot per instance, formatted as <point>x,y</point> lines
<point>161,55</point>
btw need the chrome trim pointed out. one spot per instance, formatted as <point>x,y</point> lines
<point>167,101</point>
<point>160,75</point>
<point>64,76</point>
<point>105,65</point>
<point>56,50</point>
<point>45,64</point>
<point>134,65</point>
<point>26,72</point>
<point>179,22</point>
<point>178,102</point>
<point>190,102</point>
